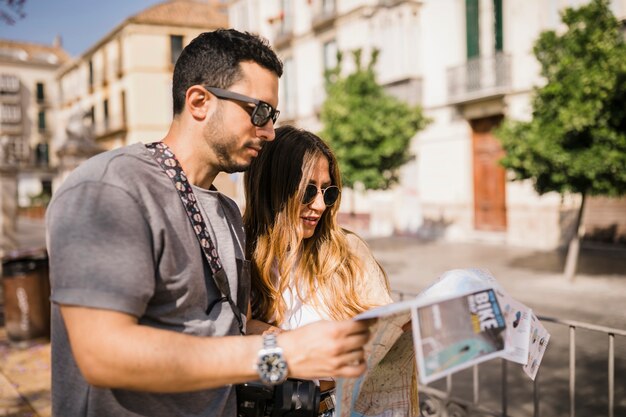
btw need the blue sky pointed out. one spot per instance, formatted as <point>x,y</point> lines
<point>80,23</point>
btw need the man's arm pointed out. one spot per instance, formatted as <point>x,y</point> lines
<point>112,350</point>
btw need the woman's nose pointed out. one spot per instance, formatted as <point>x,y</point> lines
<point>318,202</point>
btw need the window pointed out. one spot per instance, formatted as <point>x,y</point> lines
<point>286,24</point>
<point>9,84</point>
<point>90,75</point>
<point>42,155</point>
<point>41,118</point>
<point>497,10</point>
<point>330,55</point>
<point>41,96</point>
<point>119,67</point>
<point>328,6</point>
<point>105,67</point>
<point>472,28</point>
<point>123,106</point>
<point>176,47</point>
<point>288,90</point>
<point>105,111</point>
<point>11,113</point>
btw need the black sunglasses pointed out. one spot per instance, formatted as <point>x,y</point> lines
<point>260,114</point>
<point>330,194</point>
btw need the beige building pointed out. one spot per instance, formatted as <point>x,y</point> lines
<point>122,84</point>
<point>27,110</point>
<point>28,101</point>
<point>469,63</point>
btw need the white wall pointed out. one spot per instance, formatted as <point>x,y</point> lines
<point>425,39</point>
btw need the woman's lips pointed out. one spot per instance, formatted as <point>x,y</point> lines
<point>310,221</point>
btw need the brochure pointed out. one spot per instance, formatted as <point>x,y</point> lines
<point>537,346</point>
<point>463,318</point>
<point>454,334</point>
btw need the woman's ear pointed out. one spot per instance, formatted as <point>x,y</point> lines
<point>198,101</point>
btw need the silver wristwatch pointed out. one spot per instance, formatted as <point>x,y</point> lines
<point>271,364</point>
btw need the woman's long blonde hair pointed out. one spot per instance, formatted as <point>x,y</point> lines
<point>325,271</point>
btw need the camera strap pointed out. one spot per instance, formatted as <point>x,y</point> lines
<point>166,159</point>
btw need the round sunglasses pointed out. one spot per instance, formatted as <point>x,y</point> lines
<point>260,114</point>
<point>330,194</point>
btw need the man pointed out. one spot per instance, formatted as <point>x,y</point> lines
<point>140,327</point>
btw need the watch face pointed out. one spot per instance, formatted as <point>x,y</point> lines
<point>272,367</point>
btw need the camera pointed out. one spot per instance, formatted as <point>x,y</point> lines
<point>292,398</point>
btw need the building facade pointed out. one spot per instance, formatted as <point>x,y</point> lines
<point>469,64</point>
<point>123,83</point>
<point>27,109</point>
<point>28,105</point>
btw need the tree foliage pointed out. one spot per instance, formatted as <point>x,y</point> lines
<point>368,130</point>
<point>11,11</point>
<point>576,139</point>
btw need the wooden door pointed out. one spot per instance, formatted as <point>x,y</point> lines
<point>489,176</point>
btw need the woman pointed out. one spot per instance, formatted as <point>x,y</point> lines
<point>304,266</point>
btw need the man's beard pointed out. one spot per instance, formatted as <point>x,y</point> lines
<point>224,153</point>
<point>224,147</point>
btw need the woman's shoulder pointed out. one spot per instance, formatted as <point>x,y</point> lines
<point>356,242</point>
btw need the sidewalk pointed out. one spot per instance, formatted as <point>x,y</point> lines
<point>597,296</point>
<point>24,378</point>
<point>25,368</point>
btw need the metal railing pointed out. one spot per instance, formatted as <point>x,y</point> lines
<point>447,405</point>
<point>479,77</point>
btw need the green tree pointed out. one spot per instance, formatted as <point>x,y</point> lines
<point>368,129</point>
<point>11,11</point>
<point>576,139</point>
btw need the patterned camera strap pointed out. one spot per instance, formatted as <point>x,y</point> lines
<point>166,159</point>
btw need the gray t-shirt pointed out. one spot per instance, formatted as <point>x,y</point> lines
<point>119,239</point>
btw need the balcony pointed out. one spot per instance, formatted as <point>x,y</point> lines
<point>479,79</point>
<point>324,15</point>
<point>9,84</point>
<point>282,27</point>
<point>407,89</point>
<point>389,3</point>
<point>108,129</point>
<point>11,128</point>
<point>283,37</point>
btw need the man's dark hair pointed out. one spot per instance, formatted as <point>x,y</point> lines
<point>212,59</point>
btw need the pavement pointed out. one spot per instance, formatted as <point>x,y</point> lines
<point>597,296</point>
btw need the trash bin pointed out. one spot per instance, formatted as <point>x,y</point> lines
<point>26,292</point>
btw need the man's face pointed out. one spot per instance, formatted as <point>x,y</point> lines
<point>229,131</point>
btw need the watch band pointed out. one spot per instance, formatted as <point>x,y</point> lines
<point>271,364</point>
<point>270,341</point>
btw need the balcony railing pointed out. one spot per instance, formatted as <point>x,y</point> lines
<point>324,14</point>
<point>110,127</point>
<point>407,89</point>
<point>479,78</point>
<point>9,84</point>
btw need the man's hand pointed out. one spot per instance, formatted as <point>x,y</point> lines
<point>326,349</point>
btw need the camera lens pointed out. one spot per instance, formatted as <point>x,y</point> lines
<point>296,398</point>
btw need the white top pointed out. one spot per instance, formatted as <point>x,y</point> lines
<point>298,313</point>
